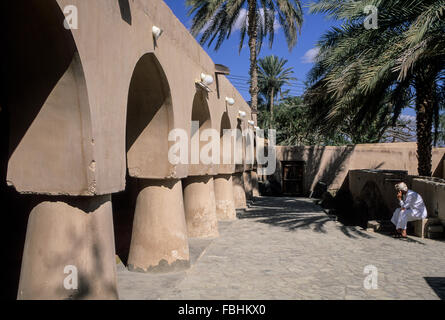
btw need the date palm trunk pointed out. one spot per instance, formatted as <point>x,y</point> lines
<point>425,100</point>
<point>252,32</point>
<point>272,93</point>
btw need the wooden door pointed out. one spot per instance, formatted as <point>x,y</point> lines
<point>293,177</point>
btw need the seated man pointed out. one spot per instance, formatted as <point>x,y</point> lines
<point>411,208</point>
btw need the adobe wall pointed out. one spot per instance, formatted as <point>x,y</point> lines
<point>373,191</point>
<point>433,194</point>
<point>331,164</point>
<point>84,147</point>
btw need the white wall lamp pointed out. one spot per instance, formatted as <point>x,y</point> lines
<point>230,101</point>
<point>157,32</point>
<point>242,114</point>
<point>206,79</point>
<point>205,82</point>
<point>256,128</point>
<point>251,122</point>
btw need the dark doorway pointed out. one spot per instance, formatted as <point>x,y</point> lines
<point>293,177</point>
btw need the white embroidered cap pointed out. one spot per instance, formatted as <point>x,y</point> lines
<point>402,187</point>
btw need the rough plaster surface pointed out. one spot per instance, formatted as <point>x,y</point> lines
<point>69,232</point>
<point>225,202</point>
<point>200,207</point>
<point>159,237</point>
<point>239,193</point>
<point>331,164</point>
<point>97,86</point>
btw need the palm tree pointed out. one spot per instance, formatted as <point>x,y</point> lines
<point>359,72</point>
<point>216,19</point>
<point>272,76</point>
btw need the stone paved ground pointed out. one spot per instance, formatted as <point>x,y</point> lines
<point>288,248</point>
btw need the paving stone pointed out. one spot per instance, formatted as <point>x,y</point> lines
<point>287,248</point>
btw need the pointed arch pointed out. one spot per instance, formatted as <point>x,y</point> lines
<point>51,140</point>
<point>201,114</point>
<point>149,120</point>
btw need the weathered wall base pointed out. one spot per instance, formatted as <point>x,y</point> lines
<point>374,195</point>
<point>433,194</point>
<point>331,164</point>
<point>255,187</point>
<point>225,202</point>
<point>248,186</point>
<point>200,207</point>
<point>239,194</point>
<point>159,240</point>
<point>69,233</point>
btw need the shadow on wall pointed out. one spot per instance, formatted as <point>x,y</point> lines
<point>322,164</point>
<point>35,64</point>
<point>124,7</point>
<point>32,66</point>
<point>438,173</point>
<point>124,204</point>
<point>149,117</point>
<point>371,204</point>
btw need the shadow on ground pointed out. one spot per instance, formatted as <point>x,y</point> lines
<point>438,285</point>
<point>294,213</point>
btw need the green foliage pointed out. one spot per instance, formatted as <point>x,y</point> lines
<point>272,76</point>
<point>360,72</point>
<point>294,125</point>
<point>215,20</point>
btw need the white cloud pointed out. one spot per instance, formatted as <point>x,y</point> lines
<point>406,117</point>
<point>310,55</point>
<point>242,18</point>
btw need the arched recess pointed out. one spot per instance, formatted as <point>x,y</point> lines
<point>200,114</point>
<point>51,143</point>
<point>225,135</point>
<point>45,126</point>
<point>249,149</point>
<point>149,120</point>
<point>239,145</point>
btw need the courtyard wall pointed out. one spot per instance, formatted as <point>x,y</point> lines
<point>331,164</point>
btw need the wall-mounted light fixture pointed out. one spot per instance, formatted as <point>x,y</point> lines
<point>206,79</point>
<point>157,32</point>
<point>256,128</point>
<point>242,114</point>
<point>230,101</point>
<point>251,122</point>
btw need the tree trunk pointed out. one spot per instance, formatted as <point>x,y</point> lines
<point>425,97</point>
<point>271,107</point>
<point>252,32</point>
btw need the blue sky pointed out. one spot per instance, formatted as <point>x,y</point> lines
<point>313,28</point>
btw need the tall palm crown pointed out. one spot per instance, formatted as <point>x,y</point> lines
<point>272,76</point>
<point>361,72</point>
<point>215,20</point>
